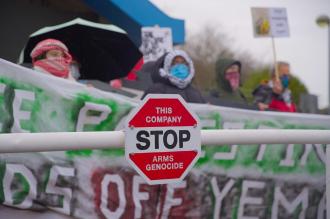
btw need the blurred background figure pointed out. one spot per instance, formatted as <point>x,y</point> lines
<point>52,57</point>
<point>116,83</point>
<point>228,83</point>
<point>275,94</point>
<point>172,74</point>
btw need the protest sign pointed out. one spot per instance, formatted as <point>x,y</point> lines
<point>156,41</point>
<point>270,22</point>
<point>162,138</point>
<point>228,181</point>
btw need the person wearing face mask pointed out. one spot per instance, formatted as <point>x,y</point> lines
<point>228,81</point>
<point>52,57</point>
<point>275,94</point>
<point>172,74</point>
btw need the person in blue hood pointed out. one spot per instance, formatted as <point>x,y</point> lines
<point>173,74</point>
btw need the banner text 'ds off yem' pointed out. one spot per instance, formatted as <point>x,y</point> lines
<point>228,181</point>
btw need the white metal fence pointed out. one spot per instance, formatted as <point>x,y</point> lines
<point>59,141</point>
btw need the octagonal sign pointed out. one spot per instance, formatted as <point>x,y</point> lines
<point>162,138</point>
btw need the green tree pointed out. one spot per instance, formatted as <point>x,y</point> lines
<point>255,78</point>
<point>297,88</point>
<point>206,46</point>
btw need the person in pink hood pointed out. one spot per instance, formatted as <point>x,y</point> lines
<point>52,57</point>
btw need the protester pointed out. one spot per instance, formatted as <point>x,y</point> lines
<point>172,74</point>
<point>228,82</point>
<point>275,94</point>
<point>52,57</point>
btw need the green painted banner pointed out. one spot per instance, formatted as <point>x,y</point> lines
<point>229,181</point>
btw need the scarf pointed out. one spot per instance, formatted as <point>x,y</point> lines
<point>58,66</point>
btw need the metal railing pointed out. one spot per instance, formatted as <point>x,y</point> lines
<point>59,141</point>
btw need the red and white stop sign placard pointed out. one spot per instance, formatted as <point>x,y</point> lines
<point>162,138</point>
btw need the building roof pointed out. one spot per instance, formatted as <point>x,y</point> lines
<point>131,15</point>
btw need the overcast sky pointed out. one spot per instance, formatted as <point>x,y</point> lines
<point>306,49</point>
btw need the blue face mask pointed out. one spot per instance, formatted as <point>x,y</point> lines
<point>285,81</point>
<point>180,71</point>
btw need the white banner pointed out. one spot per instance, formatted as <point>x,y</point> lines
<point>228,181</point>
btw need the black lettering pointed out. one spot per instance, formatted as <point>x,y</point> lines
<point>184,135</point>
<point>165,138</point>
<point>145,140</point>
<point>156,134</point>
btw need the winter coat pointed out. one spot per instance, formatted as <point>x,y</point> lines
<point>164,84</point>
<point>223,91</point>
<point>276,102</point>
<point>280,105</point>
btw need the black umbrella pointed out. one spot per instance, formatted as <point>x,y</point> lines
<point>103,51</point>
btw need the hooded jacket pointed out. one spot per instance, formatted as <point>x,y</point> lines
<point>165,83</point>
<point>224,91</point>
